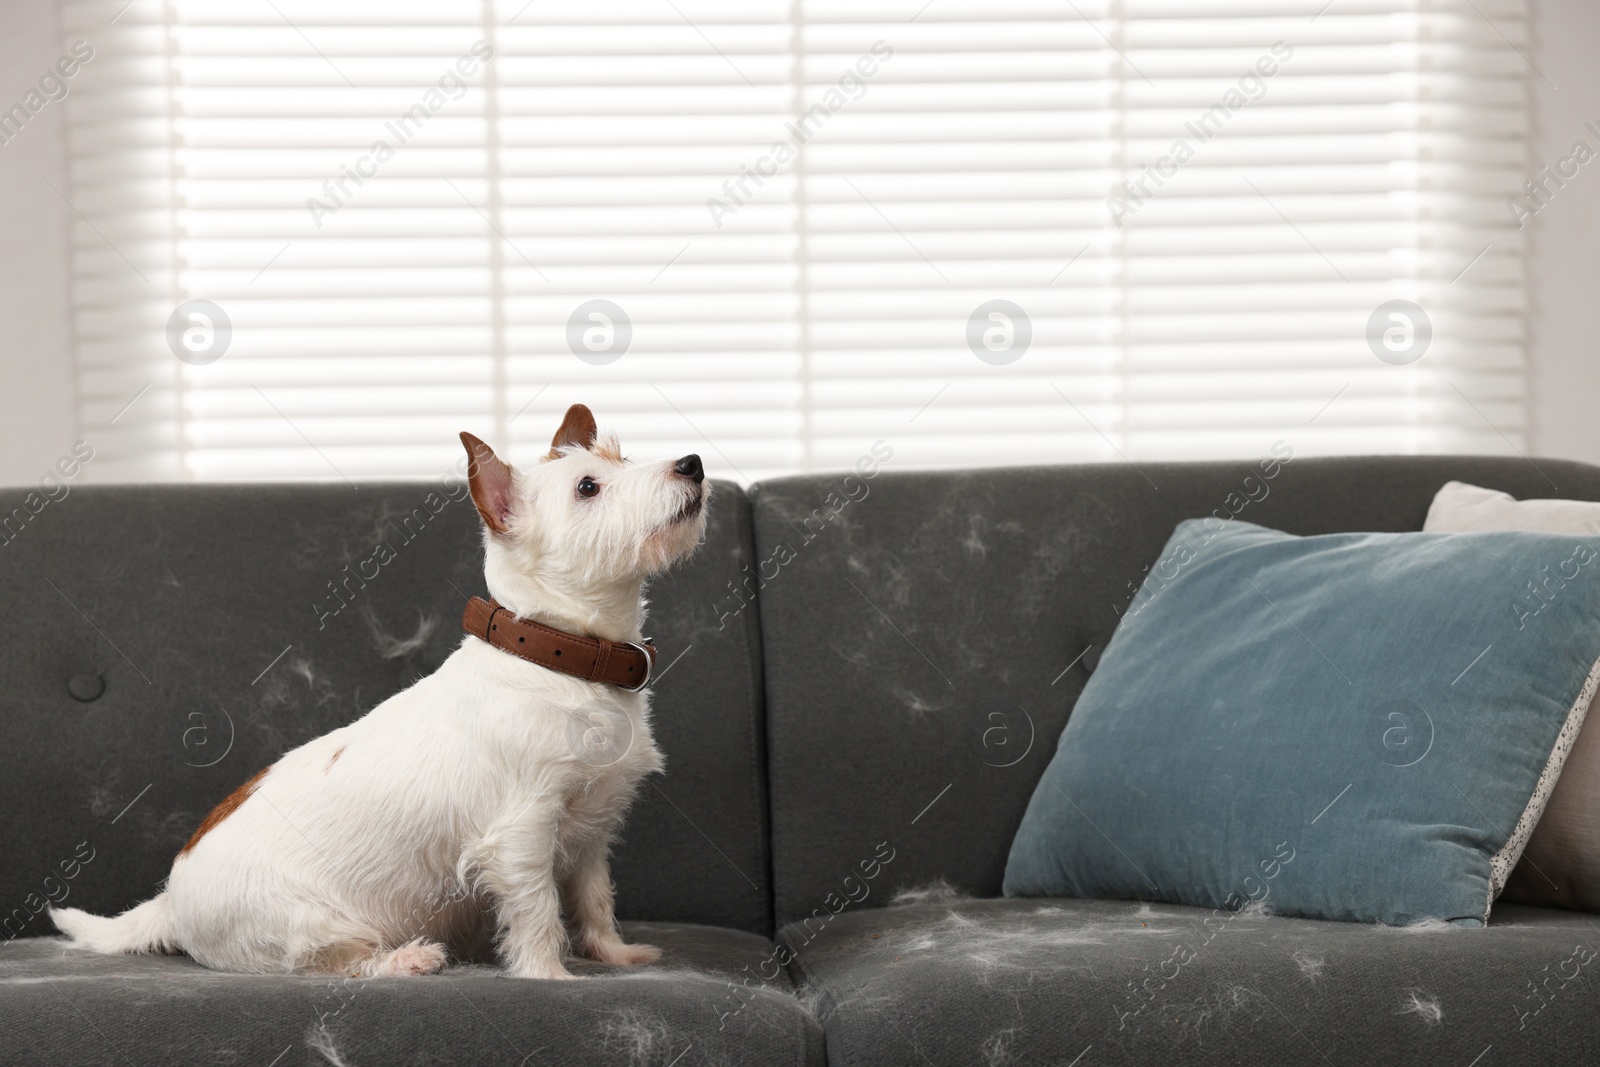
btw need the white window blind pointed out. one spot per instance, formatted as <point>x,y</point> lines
<point>798,208</point>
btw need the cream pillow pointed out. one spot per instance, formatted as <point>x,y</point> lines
<point>1561,865</point>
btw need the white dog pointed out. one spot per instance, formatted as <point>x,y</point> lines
<point>461,806</point>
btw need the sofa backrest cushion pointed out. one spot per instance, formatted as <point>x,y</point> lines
<point>160,644</point>
<point>927,633</point>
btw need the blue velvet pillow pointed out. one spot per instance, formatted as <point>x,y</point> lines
<point>1353,726</point>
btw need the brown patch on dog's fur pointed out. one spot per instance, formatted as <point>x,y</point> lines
<point>228,806</point>
<point>335,759</point>
<point>607,448</point>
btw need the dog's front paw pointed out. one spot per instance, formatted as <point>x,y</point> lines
<point>623,955</point>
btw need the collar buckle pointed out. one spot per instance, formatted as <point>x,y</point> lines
<point>649,666</point>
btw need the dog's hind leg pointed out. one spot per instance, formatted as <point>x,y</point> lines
<point>360,959</point>
<point>413,958</point>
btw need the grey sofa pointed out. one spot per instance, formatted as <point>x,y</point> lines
<point>863,683</point>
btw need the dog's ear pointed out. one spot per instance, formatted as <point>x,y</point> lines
<point>577,428</point>
<point>489,478</point>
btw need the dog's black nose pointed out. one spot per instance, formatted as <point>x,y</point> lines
<point>689,467</point>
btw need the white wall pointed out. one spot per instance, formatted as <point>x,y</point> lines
<point>1563,279</point>
<point>37,412</point>
<point>38,419</point>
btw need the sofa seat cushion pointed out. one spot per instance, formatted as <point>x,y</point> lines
<point>1087,982</point>
<point>60,1004</point>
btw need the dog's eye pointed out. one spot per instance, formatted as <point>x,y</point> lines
<point>588,486</point>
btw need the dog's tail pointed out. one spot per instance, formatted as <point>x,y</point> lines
<point>145,929</point>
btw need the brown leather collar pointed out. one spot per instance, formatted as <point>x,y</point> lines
<point>593,659</point>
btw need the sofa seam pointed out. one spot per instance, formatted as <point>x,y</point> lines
<point>760,747</point>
